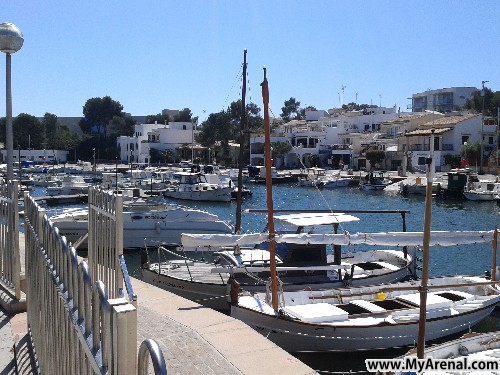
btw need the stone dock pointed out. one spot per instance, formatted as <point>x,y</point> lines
<point>194,339</point>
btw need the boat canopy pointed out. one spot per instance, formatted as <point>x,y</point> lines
<point>314,219</point>
<point>437,238</point>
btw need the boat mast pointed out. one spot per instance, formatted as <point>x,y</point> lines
<point>425,257</point>
<point>269,190</point>
<point>243,131</point>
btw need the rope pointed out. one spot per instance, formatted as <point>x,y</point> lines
<point>237,79</point>
<point>208,299</point>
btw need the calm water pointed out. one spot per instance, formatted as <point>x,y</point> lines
<point>446,215</point>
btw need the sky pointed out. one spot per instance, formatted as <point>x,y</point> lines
<point>155,55</point>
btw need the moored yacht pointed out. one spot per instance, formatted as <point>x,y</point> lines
<point>194,186</point>
<point>146,220</point>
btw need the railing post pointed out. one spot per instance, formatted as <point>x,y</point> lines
<point>124,328</point>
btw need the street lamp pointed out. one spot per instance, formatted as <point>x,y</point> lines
<point>482,128</point>
<point>11,41</point>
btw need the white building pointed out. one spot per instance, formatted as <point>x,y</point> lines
<point>137,148</point>
<point>332,136</point>
<point>450,135</point>
<point>442,100</point>
<point>38,156</point>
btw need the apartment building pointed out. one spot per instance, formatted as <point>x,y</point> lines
<point>442,100</point>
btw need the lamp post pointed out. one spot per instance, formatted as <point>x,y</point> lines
<point>482,128</point>
<point>11,41</point>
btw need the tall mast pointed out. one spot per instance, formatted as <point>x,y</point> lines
<point>269,189</point>
<point>243,131</point>
<point>425,257</point>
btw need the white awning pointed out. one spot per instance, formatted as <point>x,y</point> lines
<point>312,219</point>
<point>437,238</point>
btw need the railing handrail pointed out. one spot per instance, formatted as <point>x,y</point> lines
<point>150,346</point>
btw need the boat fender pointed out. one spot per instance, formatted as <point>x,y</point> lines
<point>157,227</point>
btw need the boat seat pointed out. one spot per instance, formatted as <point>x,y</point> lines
<point>368,305</point>
<point>317,312</point>
<point>433,300</point>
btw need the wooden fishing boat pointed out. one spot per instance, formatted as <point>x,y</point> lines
<point>484,347</point>
<point>303,261</point>
<point>370,318</point>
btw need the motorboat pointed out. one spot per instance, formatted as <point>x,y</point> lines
<point>227,181</point>
<point>47,179</point>
<point>332,182</point>
<point>146,221</point>
<point>373,317</point>
<point>482,191</point>
<point>418,186</point>
<point>276,177</point>
<point>374,181</point>
<point>319,177</point>
<point>69,185</point>
<point>300,265</point>
<point>194,186</point>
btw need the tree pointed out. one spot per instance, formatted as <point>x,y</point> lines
<point>217,129</point>
<point>255,121</point>
<point>306,109</point>
<point>185,116</point>
<point>63,139</point>
<point>471,152</point>
<point>375,157</point>
<point>98,112</point>
<point>280,149</point>
<point>158,119</point>
<point>27,129</point>
<point>220,128</point>
<point>168,155</point>
<point>491,102</point>
<point>121,126</point>
<point>290,110</point>
<point>49,123</point>
<point>313,160</point>
<point>358,107</point>
<point>155,155</point>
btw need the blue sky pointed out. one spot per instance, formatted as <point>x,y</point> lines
<point>152,55</point>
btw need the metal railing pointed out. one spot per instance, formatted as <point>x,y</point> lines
<point>105,238</point>
<point>77,327</point>
<point>10,264</point>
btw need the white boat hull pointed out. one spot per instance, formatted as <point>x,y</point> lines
<point>326,327</point>
<point>481,196</point>
<point>141,228</point>
<point>222,194</point>
<point>198,283</point>
<point>295,336</point>
<point>371,187</point>
<point>332,184</point>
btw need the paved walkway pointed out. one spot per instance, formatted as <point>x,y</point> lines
<point>193,338</point>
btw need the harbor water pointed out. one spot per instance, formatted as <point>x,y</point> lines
<point>447,215</point>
